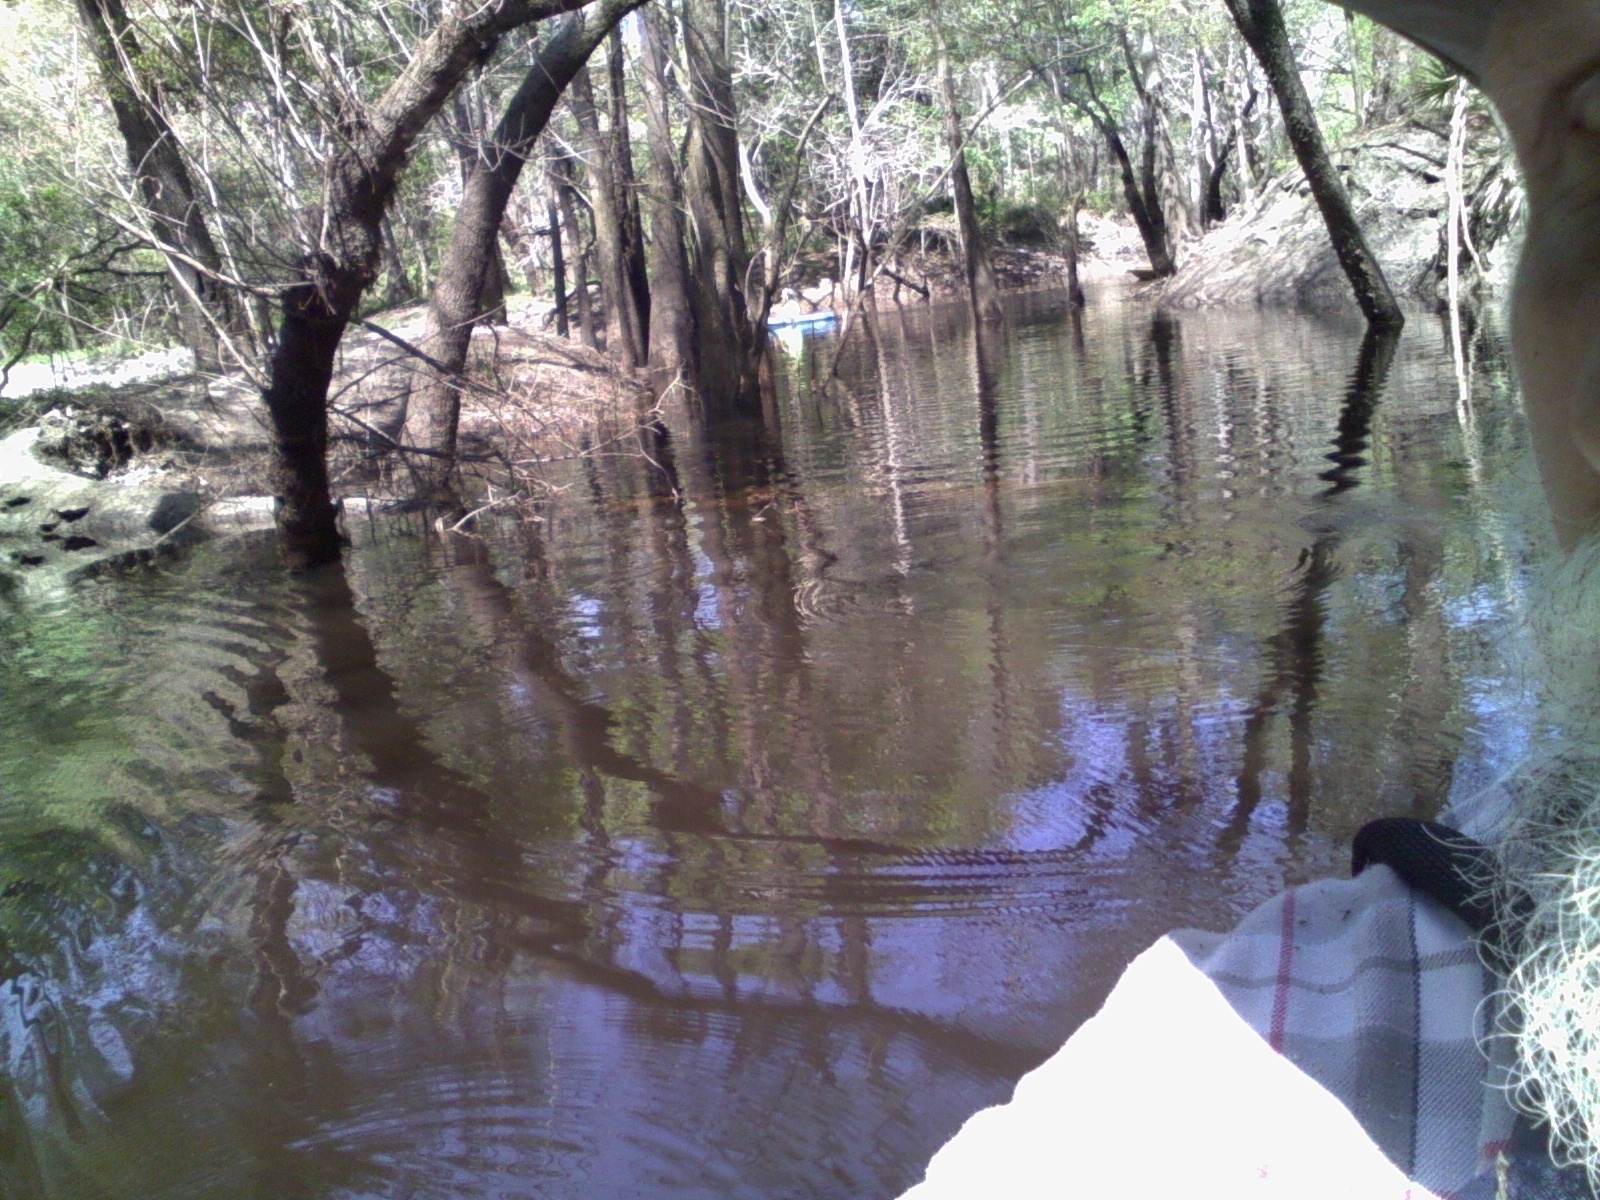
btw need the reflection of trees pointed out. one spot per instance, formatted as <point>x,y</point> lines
<point>1294,655</point>
<point>987,363</point>
<point>1159,375</point>
<point>1355,416</point>
<point>742,766</point>
<point>1294,660</point>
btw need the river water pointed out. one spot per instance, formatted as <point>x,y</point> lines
<point>739,819</point>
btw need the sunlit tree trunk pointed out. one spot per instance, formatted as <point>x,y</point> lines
<point>1262,25</point>
<point>165,186</point>
<point>469,260</point>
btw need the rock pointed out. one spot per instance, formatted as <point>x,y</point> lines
<point>98,441</point>
<point>174,510</point>
<point>97,521</point>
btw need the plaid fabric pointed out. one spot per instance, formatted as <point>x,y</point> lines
<point>1339,1032</point>
<point>1377,993</point>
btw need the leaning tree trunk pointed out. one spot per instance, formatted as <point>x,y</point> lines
<point>165,185</point>
<point>1261,23</point>
<point>1148,216</point>
<point>671,319</point>
<point>1163,191</point>
<point>332,278</point>
<point>624,340</point>
<point>469,257</point>
<point>726,350</point>
<point>983,290</point>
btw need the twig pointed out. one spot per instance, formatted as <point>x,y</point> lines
<point>482,508</point>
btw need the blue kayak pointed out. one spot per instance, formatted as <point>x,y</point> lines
<point>802,320</point>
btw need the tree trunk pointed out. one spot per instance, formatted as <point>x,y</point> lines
<point>496,283</point>
<point>397,289</point>
<point>162,177</point>
<point>983,290</point>
<point>628,191</point>
<point>671,320</point>
<point>623,341</point>
<point>1163,191</point>
<point>558,265</point>
<point>470,258</point>
<point>1216,209</point>
<point>567,192</point>
<point>515,230</point>
<point>1075,294</point>
<point>1261,23</point>
<point>361,182</point>
<point>1148,217</point>
<point>726,351</point>
<point>314,319</point>
<point>857,264</point>
<point>1147,213</point>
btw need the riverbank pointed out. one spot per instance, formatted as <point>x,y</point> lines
<point>1274,249</point>
<point>154,461</point>
<point>122,469</point>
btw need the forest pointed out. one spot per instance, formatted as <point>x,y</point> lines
<point>257,183</point>
<point>655,597</point>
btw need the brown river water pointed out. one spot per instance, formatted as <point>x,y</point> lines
<point>745,816</point>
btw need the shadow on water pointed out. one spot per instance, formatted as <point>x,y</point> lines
<point>813,773</point>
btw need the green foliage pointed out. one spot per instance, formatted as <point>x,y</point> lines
<point>259,90</point>
<point>63,273</point>
<point>1028,225</point>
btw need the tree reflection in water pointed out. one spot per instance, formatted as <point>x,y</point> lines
<point>744,817</point>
